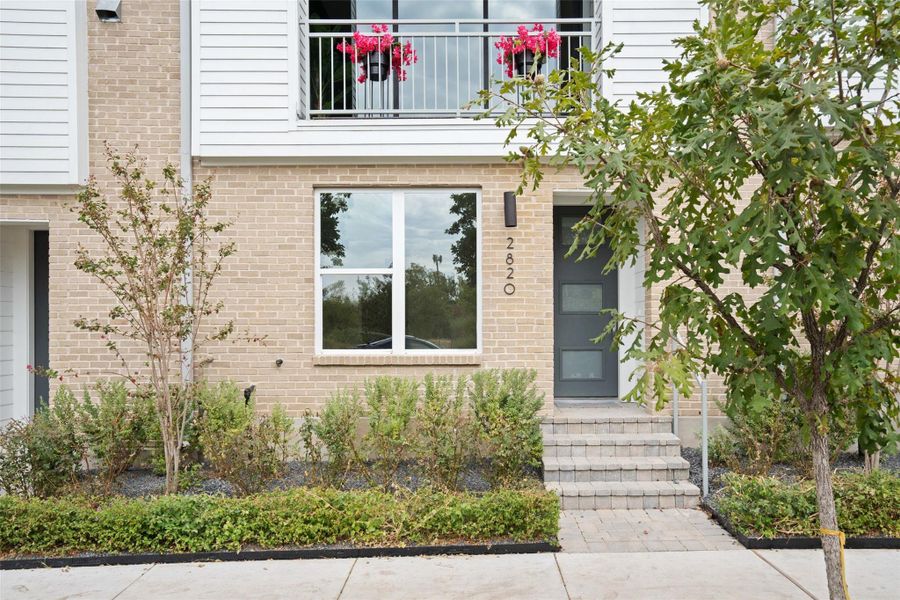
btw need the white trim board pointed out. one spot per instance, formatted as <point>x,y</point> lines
<point>16,347</point>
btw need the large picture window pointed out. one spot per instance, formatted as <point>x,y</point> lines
<point>398,271</point>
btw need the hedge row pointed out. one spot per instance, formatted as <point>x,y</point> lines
<point>299,517</point>
<point>867,505</point>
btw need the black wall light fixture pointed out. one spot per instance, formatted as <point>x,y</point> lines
<point>509,208</point>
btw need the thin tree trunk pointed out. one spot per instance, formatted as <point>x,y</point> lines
<point>827,514</point>
<point>872,461</point>
<point>172,464</point>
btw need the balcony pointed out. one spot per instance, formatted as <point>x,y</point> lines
<point>455,59</point>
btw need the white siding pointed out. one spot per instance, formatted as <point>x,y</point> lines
<point>249,85</point>
<point>241,71</point>
<point>15,320</point>
<point>43,95</point>
<point>646,29</point>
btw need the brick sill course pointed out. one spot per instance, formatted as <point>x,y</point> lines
<point>328,360</point>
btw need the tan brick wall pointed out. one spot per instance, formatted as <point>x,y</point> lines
<point>133,98</point>
<point>268,286</point>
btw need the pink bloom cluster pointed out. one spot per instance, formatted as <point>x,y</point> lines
<point>542,43</point>
<point>402,55</point>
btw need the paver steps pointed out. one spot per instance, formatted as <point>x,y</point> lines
<point>593,495</point>
<point>615,457</point>
<point>640,468</point>
<point>611,444</point>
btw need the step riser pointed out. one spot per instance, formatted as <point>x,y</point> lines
<point>628,502</point>
<point>589,428</point>
<point>609,450</point>
<point>571,476</point>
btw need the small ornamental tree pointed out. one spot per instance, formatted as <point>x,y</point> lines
<point>159,260</point>
<point>775,161</point>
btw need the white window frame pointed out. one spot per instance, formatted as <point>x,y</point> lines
<point>397,273</point>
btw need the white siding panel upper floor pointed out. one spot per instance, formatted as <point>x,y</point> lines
<point>43,94</point>
<point>647,30</point>
<point>248,86</point>
<point>241,73</point>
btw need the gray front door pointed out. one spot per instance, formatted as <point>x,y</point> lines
<point>582,369</point>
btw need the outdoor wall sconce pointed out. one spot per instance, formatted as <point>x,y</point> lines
<point>109,11</point>
<point>279,362</point>
<point>509,208</point>
<point>248,393</point>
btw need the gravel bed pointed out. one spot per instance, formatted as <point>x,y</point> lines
<point>848,461</point>
<point>137,483</point>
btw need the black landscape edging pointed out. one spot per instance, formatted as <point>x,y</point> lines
<point>7,564</point>
<point>798,542</point>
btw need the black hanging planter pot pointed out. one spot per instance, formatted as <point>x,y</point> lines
<point>378,65</point>
<point>525,61</point>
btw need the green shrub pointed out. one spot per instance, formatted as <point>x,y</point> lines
<point>41,457</point>
<point>759,432</point>
<point>763,432</point>
<point>391,403</point>
<point>506,405</point>
<point>116,428</point>
<point>723,451</point>
<point>445,430</point>
<point>329,440</point>
<point>797,451</point>
<point>245,449</point>
<point>300,517</point>
<point>768,507</point>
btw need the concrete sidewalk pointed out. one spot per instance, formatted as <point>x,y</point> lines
<point>739,574</point>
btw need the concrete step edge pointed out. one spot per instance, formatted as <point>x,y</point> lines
<point>613,463</point>
<point>611,439</point>
<point>624,488</point>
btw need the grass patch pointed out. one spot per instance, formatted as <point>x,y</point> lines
<point>299,517</point>
<point>766,507</point>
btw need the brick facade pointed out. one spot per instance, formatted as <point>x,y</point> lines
<point>268,285</point>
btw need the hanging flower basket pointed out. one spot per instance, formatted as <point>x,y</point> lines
<point>524,54</point>
<point>525,62</point>
<point>378,55</point>
<point>377,66</point>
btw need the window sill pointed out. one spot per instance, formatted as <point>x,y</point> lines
<point>352,360</point>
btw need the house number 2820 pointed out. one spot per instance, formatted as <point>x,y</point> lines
<point>510,288</point>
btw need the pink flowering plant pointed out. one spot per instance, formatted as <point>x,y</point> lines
<point>541,43</point>
<point>402,55</point>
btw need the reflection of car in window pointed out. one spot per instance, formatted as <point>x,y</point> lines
<point>412,343</point>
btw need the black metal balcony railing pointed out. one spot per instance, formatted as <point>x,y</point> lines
<point>456,59</point>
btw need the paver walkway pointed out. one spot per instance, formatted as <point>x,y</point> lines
<point>651,530</point>
<point>704,575</point>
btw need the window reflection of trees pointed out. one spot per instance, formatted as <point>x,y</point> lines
<point>330,208</point>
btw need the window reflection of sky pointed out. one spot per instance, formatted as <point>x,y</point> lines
<point>427,219</point>
<point>365,232</point>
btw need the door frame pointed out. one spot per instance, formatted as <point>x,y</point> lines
<point>631,294</point>
<point>22,231</point>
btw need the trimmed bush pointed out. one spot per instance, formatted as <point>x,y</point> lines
<point>245,449</point>
<point>391,405</point>
<point>332,436</point>
<point>445,430</point>
<point>41,457</point>
<point>867,505</point>
<point>506,405</point>
<point>116,428</point>
<point>300,517</point>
